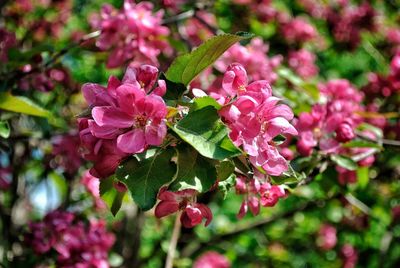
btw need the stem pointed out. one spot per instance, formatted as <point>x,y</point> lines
<point>173,242</point>
<point>384,141</point>
<point>179,17</point>
<point>212,29</point>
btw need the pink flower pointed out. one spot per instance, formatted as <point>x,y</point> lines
<point>341,89</point>
<point>330,124</point>
<point>270,194</point>
<point>255,118</point>
<point>298,30</point>
<point>254,59</point>
<point>250,190</point>
<point>124,119</point>
<point>344,132</point>
<point>103,153</point>
<point>327,238</point>
<point>192,213</point>
<point>303,63</point>
<point>256,193</point>
<point>211,259</point>
<point>134,33</point>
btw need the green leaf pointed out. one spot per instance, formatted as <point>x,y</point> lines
<point>226,185</point>
<point>199,103</point>
<point>4,129</point>
<point>187,66</point>
<point>344,161</point>
<point>377,131</point>
<point>111,196</point>
<point>362,177</point>
<point>204,130</point>
<point>22,105</point>
<point>225,170</point>
<point>361,144</point>
<point>194,171</point>
<point>145,178</point>
<point>174,90</point>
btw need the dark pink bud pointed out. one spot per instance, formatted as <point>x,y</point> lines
<point>344,132</point>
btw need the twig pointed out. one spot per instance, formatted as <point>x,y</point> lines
<point>212,29</point>
<point>173,242</point>
<point>383,141</point>
<point>179,17</point>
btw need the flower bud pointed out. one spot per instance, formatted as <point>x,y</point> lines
<point>344,132</point>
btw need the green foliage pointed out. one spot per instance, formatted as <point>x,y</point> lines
<point>204,130</point>
<point>344,161</point>
<point>111,196</point>
<point>200,103</point>
<point>194,171</point>
<point>4,129</point>
<point>22,105</point>
<point>145,177</point>
<point>186,67</point>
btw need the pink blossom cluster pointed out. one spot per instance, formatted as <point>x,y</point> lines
<point>134,33</point>
<point>126,118</point>
<point>380,85</point>
<point>44,81</point>
<point>254,59</point>
<point>350,21</point>
<point>330,124</point>
<point>298,30</point>
<point>193,213</point>
<point>7,41</point>
<point>76,244</point>
<point>211,259</point>
<point>46,26</point>
<point>256,193</point>
<point>327,238</point>
<point>66,152</point>
<point>254,118</point>
<point>303,63</point>
<point>346,21</point>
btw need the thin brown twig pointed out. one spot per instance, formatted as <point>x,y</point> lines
<point>173,242</point>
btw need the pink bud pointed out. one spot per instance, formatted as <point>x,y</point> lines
<point>344,133</point>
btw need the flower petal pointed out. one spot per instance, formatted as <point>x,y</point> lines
<point>112,117</point>
<point>132,142</point>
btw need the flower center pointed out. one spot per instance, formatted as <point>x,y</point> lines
<point>140,121</point>
<point>242,89</point>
